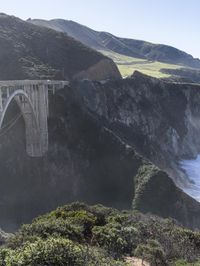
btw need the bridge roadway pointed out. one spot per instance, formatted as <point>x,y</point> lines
<point>32,99</point>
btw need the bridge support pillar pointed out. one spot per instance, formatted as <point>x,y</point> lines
<point>32,99</point>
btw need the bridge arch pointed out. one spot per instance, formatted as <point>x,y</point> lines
<point>33,144</point>
<point>32,98</point>
<point>15,96</point>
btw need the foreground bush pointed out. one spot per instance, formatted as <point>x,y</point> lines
<point>55,252</point>
<point>78,234</point>
<point>151,252</point>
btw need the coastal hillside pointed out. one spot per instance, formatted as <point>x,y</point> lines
<point>129,47</point>
<point>99,133</point>
<point>32,52</point>
<point>129,54</point>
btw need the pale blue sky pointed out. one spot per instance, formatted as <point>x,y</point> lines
<point>173,22</point>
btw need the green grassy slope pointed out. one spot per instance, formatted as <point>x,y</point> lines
<point>127,65</point>
<point>110,43</point>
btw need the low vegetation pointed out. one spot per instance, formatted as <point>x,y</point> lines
<point>127,65</point>
<point>32,52</point>
<point>78,234</point>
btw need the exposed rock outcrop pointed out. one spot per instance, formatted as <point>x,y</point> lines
<point>160,119</point>
<point>105,69</point>
<point>189,75</point>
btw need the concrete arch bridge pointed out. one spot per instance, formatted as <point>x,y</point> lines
<point>32,99</point>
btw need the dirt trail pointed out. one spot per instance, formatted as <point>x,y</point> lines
<point>133,261</point>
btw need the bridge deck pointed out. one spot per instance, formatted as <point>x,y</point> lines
<point>11,83</point>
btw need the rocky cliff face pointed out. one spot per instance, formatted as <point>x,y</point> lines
<point>104,69</point>
<point>189,75</point>
<point>99,136</point>
<point>160,120</point>
<point>85,161</point>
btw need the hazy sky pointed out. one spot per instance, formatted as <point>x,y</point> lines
<point>173,22</point>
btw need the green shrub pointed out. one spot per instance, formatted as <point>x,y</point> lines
<point>109,238</point>
<point>107,234</point>
<point>55,252</point>
<point>75,225</point>
<point>47,252</point>
<point>151,252</point>
<point>44,228</point>
<point>115,239</point>
<point>185,263</point>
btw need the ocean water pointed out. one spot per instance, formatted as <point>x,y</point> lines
<point>192,168</point>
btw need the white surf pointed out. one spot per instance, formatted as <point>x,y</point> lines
<point>192,169</point>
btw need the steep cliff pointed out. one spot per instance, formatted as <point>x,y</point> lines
<point>183,74</point>
<point>99,134</point>
<point>160,120</point>
<point>85,161</point>
<point>104,69</point>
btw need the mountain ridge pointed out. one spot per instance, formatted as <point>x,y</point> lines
<point>126,46</point>
<point>29,51</point>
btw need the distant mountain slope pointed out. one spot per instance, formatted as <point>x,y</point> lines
<point>30,51</point>
<point>128,47</point>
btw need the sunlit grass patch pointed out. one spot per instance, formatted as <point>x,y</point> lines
<point>127,65</point>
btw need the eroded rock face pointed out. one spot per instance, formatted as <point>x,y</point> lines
<point>160,120</point>
<point>85,161</point>
<point>105,69</point>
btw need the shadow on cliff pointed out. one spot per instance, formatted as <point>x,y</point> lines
<point>92,155</point>
<point>85,162</point>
